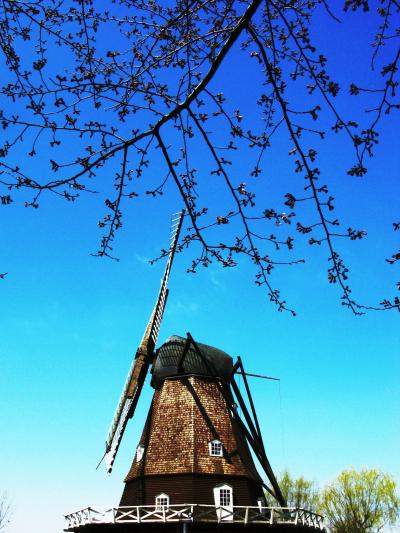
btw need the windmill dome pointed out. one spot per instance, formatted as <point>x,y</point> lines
<point>173,359</point>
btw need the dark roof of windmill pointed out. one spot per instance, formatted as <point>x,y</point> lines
<point>204,361</point>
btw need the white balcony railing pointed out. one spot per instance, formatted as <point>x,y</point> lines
<point>194,513</point>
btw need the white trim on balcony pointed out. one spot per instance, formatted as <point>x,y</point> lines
<point>194,513</point>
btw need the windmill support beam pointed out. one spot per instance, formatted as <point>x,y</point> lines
<point>243,373</point>
<point>188,342</point>
<point>253,431</point>
<point>246,414</point>
<point>263,460</point>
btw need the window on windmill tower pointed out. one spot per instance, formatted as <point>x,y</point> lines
<point>215,448</point>
<point>225,497</point>
<point>162,502</point>
<point>139,453</point>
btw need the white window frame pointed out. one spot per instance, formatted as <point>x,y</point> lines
<point>139,453</point>
<point>224,506</point>
<point>162,502</point>
<point>212,445</point>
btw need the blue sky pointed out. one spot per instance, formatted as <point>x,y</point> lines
<point>71,324</point>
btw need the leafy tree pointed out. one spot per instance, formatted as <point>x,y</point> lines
<point>298,493</point>
<point>119,98</point>
<point>361,502</point>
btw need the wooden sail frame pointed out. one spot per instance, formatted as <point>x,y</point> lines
<point>143,358</point>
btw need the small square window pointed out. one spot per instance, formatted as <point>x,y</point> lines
<point>162,502</point>
<point>215,448</point>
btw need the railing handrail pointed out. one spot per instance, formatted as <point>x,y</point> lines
<point>192,512</point>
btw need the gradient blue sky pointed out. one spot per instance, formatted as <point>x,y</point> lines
<point>71,324</point>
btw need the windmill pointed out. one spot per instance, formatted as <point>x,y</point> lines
<point>198,442</point>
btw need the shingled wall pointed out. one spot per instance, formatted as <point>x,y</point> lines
<point>188,412</point>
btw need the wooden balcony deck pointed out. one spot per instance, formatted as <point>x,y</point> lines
<point>195,513</point>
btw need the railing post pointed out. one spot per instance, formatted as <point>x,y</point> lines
<point>271,520</point>
<point>246,515</point>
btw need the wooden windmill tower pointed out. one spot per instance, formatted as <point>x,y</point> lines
<point>194,461</point>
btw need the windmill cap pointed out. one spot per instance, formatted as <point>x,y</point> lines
<point>204,361</point>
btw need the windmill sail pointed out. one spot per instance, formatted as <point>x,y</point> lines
<point>143,358</point>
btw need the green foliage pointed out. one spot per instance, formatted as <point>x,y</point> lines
<point>299,493</point>
<point>360,502</point>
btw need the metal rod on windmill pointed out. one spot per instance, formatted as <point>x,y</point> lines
<point>258,376</point>
<point>143,358</point>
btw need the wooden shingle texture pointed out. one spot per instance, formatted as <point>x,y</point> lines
<point>187,413</point>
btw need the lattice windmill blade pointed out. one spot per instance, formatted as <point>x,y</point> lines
<point>143,358</point>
